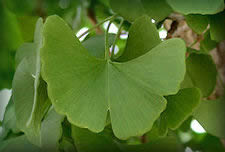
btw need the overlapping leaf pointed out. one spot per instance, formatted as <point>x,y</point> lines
<point>179,108</point>
<point>207,44</point>
<point>131,10</point>
<point>217,24</point>
<point>87,141</point>
<point>139,42</point>
<point>201,73</point>
<point>51,131</point>
<point>197,22</point>
<point>197,6</point>
<point>19,144</point>
<point>85,88</point>
<point>210,115</point>
<point>29,90</point>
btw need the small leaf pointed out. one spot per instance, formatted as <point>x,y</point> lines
<point>210,115</point>
<point>179,108</point>
<point>96,45</point>
<point>217,24</point>
<point>207,44</point>
<point>51,131</point>
<point>198,23</point>
<point>18,144</point>
<point>143,36</point>
<point>152,9</point>
<point>201,73</point>
<point>197,7</point>
<point>87,141</point>
<point>25,50</point>
<point>130,10</point>
<point>29,91</point>
<point>168,144</point>
<point>85,88</point>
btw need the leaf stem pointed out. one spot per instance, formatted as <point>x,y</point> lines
<point>107,41</point>
<point>97,25</point>
<point>116,39</point>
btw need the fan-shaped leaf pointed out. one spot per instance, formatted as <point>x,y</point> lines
<point>85,88</point>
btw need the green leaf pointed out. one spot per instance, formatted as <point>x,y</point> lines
<point>217,24</point>
<point>18,144</point>
<point>197,7</point>
<point>210,115</point>
<point>67,146</point>
<point>30,92</point>
<point>51,131</point>
<point>96,45</point>
<point>201,73</point>
<point>152,9</point>
<point>25,50</point>
<point>130,10</point>
<point>85,88</point>
<point>207,44</point>
<point>179,108</point>
<point>86,141</point>
<point>9,121</point>
<point>198,23</point>
<point>143,36</point>
<point>168,144</point>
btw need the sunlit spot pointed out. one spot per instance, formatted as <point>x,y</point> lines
<point>124,35</point>
<point>80,32</point>
<point>162,33</point>
<point>113,29</point>
<point>196,127</point>
<point>116,49</point>
<point>188,149</point>
<point>153,21</point>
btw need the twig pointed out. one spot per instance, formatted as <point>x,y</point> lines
<point>116,38</point>
<point>97,25</point>
<point>107,41</point>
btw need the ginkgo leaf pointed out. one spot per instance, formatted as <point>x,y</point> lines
<point>86,141</point>
<point>130,10</point>
<point>201,73</point>
<point>85,88</point>
<point>143,36</point>
<point>198,23</point>
<point>210,115</point>
<point>51,131</point>
<point>152,9</point>
<point>199,7</point>
<point>207,44</point>
<point>25,50</point>
<point>96,45</point>
<point>168,144</point>
<point>30,92</point>
<point>19,144</point>
<point>140,8</point>
<point>179,108</point>
<point>217,24</point>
